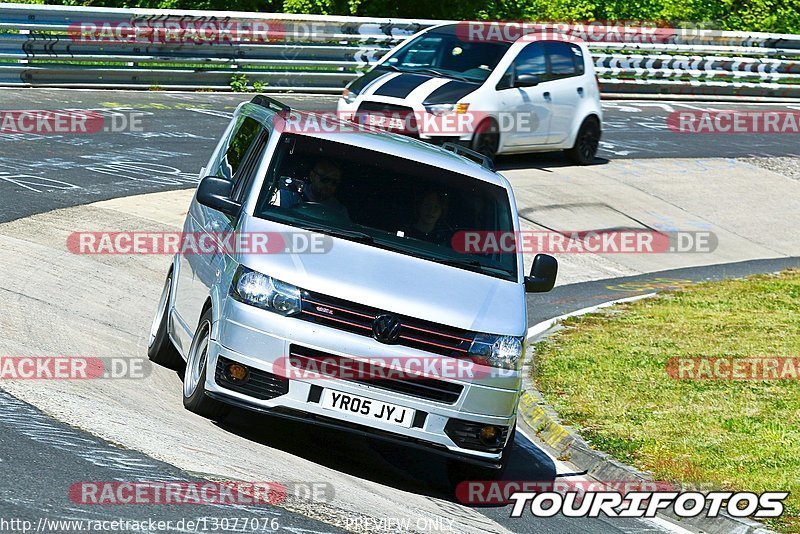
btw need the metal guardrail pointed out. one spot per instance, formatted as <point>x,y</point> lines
<point>42,46</point>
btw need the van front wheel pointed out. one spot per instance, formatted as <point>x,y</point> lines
<point>194,380</point>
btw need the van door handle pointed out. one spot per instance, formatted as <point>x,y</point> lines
<point>580,91</point>
<point>546,95</point>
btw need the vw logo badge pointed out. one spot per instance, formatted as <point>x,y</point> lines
<point>386,328</point>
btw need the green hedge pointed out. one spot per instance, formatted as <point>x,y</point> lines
<point>782,16</point>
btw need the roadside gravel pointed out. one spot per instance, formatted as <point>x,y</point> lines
<point>787,166</point>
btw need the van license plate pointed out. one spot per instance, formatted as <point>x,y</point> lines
<point>367,408</point>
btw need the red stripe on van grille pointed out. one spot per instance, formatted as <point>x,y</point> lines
<point>357,318</point>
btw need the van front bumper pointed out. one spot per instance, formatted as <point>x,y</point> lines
<point>438,426</point>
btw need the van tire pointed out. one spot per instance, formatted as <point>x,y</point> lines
<point>160,349</point>
<point>195,398</point>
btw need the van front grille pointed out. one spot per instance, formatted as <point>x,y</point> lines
<point>358,319</point>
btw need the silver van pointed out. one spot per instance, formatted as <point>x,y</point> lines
<point>350,303</point>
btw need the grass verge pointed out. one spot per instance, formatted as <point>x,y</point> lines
<point>606,374</point>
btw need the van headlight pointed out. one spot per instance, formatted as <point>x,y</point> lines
<point>497,351</point>
<point>265,292</point>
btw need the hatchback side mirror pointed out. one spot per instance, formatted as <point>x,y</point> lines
<point>215,193</point>
<point>543,274</point>
<point>526,80</point>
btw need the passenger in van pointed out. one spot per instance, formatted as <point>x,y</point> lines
<point>429,224</point>
<point>323,182</point>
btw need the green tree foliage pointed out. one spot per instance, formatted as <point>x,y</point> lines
<point>781,16</point>
<point>215,5</point>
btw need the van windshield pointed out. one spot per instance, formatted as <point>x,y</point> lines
<point>386,201</point>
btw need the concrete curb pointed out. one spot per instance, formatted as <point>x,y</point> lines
<point>565,444</point>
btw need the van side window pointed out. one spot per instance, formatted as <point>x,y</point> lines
<point>246,172</point>
<point>231,159</point>
<point>240,158</point>
<point>566,60</point>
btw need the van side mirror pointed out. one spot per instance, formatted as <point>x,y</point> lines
<point>543,274</point>
<point>215,193</point>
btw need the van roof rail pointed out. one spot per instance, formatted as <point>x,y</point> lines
<point>270,103</point>
<point>463,151</point>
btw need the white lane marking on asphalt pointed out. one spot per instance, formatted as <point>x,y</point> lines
<point>665,107</point>
<point>31,182</point>
<point>542,327</point>
<point>609,147</point>
<point>689,106</point>
<point>215,113</point>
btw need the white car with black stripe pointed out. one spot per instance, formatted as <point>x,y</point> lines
<point>514,96</point>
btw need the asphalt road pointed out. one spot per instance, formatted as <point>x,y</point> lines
<point>30,440</point>
<point>157,141</point>
<point>40,459</point>
<point>40,173</point>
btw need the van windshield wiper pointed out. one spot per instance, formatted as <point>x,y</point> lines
<point>352,235</point>
<point>470,265</point>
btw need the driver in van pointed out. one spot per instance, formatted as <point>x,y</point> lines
<point>323,182</point>
<point>429,223</point>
